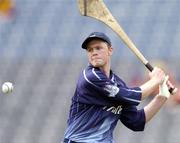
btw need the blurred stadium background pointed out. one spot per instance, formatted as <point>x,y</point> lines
<point>40,53</point>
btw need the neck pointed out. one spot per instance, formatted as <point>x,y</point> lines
<point>106,70</point>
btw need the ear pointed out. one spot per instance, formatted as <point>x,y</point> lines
<point>110,51</point>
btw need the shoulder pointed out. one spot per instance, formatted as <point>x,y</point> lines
<point>93,74</point>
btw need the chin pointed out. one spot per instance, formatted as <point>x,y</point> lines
<point>97,64</point>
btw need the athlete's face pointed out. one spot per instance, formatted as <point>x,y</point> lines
<point>99,53</point>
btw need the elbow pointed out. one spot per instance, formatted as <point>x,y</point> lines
<point>137,128</point>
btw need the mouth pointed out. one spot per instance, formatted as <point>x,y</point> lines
<point>95,58</point>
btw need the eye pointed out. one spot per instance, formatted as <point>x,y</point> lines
<point>89,49</point>
<point>98,48</point>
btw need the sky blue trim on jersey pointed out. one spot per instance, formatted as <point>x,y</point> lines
<point>138,91</point>
<point>97,134</point>
<point>93,71</point>
<point>134,100</point>
<point>112,79</point>
<point>84,73</point>
<point>133,90</point>
<point>130,99</point>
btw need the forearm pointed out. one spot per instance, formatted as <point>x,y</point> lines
<point>148,87</point>
<point>153,107</point>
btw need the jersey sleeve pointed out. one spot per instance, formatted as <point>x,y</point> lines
<point>132,118</point>
<point>94,86</point>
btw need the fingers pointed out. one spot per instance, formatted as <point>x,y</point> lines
<point>157,75</point>
<point>170,85</point>
<point>165,79</point>
<point>163,88</point>
<point>172,89</point>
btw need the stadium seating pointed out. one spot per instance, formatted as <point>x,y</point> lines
<point>40,53</point>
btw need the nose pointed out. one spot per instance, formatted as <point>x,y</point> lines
<point>94,52</point>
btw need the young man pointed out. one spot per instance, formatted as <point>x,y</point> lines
<point>101,98</point>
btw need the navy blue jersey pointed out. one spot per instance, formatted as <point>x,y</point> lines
<point>97,105</point>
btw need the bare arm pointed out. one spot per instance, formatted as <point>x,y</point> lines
<point>155,105</point>
<point>148,87</point>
